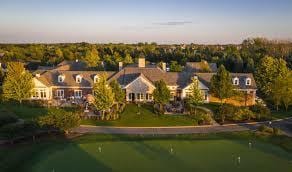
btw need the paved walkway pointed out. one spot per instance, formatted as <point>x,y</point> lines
<point>283,124</point>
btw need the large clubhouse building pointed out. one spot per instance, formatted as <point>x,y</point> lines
<point>71,80</point>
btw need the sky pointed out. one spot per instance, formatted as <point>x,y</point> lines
<point>132,21</point>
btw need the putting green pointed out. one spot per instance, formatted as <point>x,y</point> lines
<point>119,153</point>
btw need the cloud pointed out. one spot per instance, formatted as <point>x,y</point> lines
<point>173,23</point>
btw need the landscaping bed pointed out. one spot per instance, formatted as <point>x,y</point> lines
<point>143,116</point>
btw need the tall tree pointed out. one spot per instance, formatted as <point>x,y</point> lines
<point>18,82</point>
<point>161,94</point>
<point>195,98</point>
<point>92,58</point>
<point>103,95</point>
<point>119,97</point>
<point>268,71</point>
<point>128,59</point>
<point>221,85</point>
<point>281,91</point>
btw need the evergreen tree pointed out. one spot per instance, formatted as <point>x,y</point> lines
<point>195,98</point>
<point>103,95</point>
<point>119,97</point>
<point>161,94</point>
<point>18,82</point>
<point>221,85</point>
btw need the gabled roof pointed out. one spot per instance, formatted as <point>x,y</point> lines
<point>50,78</point>
<point>205,78</point>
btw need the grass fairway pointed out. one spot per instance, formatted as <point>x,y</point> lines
<point>144,153</point>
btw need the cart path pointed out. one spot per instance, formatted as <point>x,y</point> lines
<point>284,124</point>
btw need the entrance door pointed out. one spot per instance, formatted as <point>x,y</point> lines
<point>133,97</point>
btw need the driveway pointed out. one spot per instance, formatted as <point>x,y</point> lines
<point>283,124</point>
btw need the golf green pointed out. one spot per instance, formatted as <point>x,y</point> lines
<point>141,153</point>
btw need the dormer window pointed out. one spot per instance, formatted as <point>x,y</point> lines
<point>78,79</point>
<point>247,81</point>
<point>61,78</point>
<point>95,79</point>
<point>235,81</point>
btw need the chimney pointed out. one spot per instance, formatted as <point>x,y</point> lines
<point>141,62</point>
<point>163,66</point>
<point>120,66</point>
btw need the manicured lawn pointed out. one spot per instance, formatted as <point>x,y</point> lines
<point>218,152</point>
<point>146,118</point>
<point>281,114</point>
<point>27,112</point>
<point>24,112</point>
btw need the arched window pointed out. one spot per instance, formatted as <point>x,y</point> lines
<point>78,79</point>
<point>247,81</point>
<point>235,81</point>
<point>61,78</point>
<point>95,79</point>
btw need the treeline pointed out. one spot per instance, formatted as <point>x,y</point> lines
<point>236,58</point>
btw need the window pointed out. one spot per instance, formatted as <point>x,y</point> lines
<point>78,79</point>
<point>150,96</point>
<point>235,81</point>
<point>248,81</point>
<point>77,93</point>
<point>206,95</point>
<point>130,96</point>
<point>61,78</point>
<point>43,94</point>
<point>95,79</point>
<point>39,94</point>
<point>60,93</point>
<point>138,96</point>
<point>142,96</point>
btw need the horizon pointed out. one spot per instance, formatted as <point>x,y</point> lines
<point>130,22</point>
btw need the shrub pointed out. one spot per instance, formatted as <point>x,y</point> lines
<point>260,110</point>
<point>243,114</point>
<point>225,111</point>
<point>202,118</point>
<point>276,131</point>
<point>12,131</point>
<point>59,119</point>
<point>7,118</point>
<point>264,128</point>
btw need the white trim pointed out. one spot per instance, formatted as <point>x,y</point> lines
<point>78,91</point>
<point>143,78</point>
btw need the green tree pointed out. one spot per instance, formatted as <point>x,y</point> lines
<point>281,91</point>
<point>103,95</point>
<point>128,59</point>
<point>268,71</point>
<point>161,94</point>
<point>58,119</point>
<point>18,83</point>
<point>221,85</point>
<point>195,98</point>
<point>119,97</point>
<point>59,53</point>
<point>175,67</point>
<point>92,58</point>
